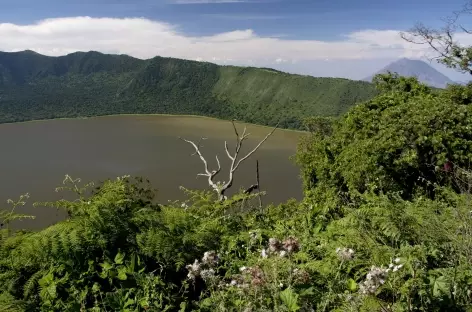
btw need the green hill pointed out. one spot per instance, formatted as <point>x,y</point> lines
<point>34,86</point>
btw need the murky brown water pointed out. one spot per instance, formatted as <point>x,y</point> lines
<point>35,156</point>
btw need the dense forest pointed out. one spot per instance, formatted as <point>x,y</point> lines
<point>34,86</point>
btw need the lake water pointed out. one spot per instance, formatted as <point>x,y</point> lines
<point>35,157</point>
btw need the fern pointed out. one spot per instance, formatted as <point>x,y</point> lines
<point>9,304</point>
<point>31,285</point>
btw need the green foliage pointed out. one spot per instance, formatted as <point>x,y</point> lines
<point>33,86</point>
<point>399,141</point>
<point>385,225</point>
<point>8,216</point>
<point>119,252</point>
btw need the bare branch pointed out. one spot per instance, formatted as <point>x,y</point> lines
<point>227,151</point>
<point>235,129</point>
<point>255,149</point>
<point>258,183</point>
<point>251,189</point>
<point>448,51</point>
<point>208,173</point>
<point>465,30</point>
<point>218,162</point>
<point>197,152</point>
<point>221,188</point>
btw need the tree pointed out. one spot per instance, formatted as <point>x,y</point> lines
<point>443,41</point>
<point>221,187</point>
<point>399,141</point>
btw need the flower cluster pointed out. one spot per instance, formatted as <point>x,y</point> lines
<point>204,269</point>
<point>210,258</point>
<point>282,249</point>
<point>193,270</point>
<point>301,276</point>
<point>377,276</point>
<point>255,274</point>
<point>345,254</point>
<point>249,276</point>
<point>395,266</point>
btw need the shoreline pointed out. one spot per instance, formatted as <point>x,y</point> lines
<point>150,115</point>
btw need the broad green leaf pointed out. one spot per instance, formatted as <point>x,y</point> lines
<point>96,287</point>
<point>119,258</point>
<point>289,298</point>
<point>440,286</point>
<point>129,302</point>
<point>351,285</point>
<point>106,265</point>
<point>307,292</point>
<point>122,273</point>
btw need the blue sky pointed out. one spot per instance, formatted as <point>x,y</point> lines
<point>180,27</point>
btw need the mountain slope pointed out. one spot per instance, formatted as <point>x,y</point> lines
<point>416,68</point>
<point>34,86</point>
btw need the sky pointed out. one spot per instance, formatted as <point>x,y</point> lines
<point>335,38</point>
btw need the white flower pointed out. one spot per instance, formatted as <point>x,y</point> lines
<point>264,254</point>
<point>242,269</point>
<point>374,279</point>
<point>210,258</point>
<point>397,260</point>
<point>207,274</point>
<point>193,270</point>
<point>345,254</point>
<point>282,254</point>
<point>397,267</point>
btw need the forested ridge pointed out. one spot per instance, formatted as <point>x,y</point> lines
<point>34,86</point>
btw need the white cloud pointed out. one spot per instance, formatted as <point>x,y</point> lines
<point>144,38</point>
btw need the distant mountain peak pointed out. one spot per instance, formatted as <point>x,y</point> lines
<point>416,68</point>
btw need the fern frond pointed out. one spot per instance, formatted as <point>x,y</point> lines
<point>30,286</point>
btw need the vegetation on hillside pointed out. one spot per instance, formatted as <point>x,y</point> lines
<point>385,225</point>
<point>33,86</point>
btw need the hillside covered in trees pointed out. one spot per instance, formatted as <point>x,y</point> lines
<point>385,225</point>
<point>34,86</point>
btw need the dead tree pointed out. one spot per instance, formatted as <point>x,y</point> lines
<point>221,187</point>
